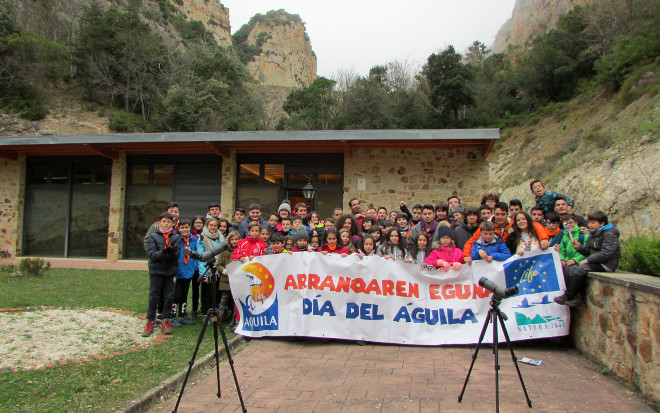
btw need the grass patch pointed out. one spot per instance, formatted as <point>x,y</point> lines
<point>107,384</point>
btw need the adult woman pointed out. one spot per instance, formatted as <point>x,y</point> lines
<point>526,235</point>
<point>351,224</point>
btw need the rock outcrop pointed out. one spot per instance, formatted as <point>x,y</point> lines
<point>212,14</point>
<point>286,57</point>
<point>530,19</point>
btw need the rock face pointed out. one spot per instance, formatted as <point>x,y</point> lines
<point>213,14</point>
<point>530,19</point>
<point>286,58</point>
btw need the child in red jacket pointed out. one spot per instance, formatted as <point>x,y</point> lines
<point>445,254</point>
<point>250,247</point>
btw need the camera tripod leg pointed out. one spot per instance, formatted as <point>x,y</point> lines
<point>217,355</point>
<point>515,362</point>
<point>231,363</point>
<point>496,316</point>
<point>476,352</point>
<point>205,323</point>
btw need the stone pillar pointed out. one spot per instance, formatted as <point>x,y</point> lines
<point>12,204</point>
<point>117,202</point>
<point>228,195</point>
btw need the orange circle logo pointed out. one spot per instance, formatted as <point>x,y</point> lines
<point>263,283</point>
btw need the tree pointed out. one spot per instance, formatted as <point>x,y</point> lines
<point>314,106</point>
<point>448,83</point>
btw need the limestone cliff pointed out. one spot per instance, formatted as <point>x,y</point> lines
<point>282,53</point>
<point>530,19</point>
<point>212,13</point>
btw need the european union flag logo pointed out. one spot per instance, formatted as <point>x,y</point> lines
<point>532,275</point>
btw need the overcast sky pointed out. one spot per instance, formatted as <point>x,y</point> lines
<point>359,34</point>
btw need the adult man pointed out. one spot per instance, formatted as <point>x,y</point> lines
<point>452,201</point>
<point>502,225</point>
<point>515,206</point>
<point>485,212</point>
<point>337,212</point>
<point>537,214</point>
<point>254,215</point>
<point>301,211</point>
<point>428,223</point>
<point>356,209</point>
<point>561,207</point>
<point>381,214</point>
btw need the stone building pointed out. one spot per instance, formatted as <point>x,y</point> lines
<point>93,196</point>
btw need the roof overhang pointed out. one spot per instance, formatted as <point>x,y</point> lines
<point>222,143</point>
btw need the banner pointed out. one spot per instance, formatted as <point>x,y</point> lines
<point>379,300</point>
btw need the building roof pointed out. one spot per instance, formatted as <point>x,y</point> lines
<point>222,143</point>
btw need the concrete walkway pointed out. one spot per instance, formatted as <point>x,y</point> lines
<point>277,375</point>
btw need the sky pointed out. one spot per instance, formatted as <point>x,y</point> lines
<point>358,34</point>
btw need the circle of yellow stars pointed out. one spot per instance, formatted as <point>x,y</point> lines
<point>525,288</point>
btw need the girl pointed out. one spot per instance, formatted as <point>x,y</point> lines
<point>210,238</point>
<point>197,226</point>
<point>526,235</point>
<point>314,242</point>
<point>367,223</point>
<point>392,247</point>
<point>441,211</point>
<point>289,243</point>
<point>264,234</point>
<point>392,216</point>
<point>376,232</point>
<point>273,220</point>
<point>368,247</point>
<point>223,285</point>
<point>315,224</point>
<point>196,232</point>
<point>420,249</point>
<point>345,240</point>
<point>351,224</point>
<point>330,243</point>
<point>445,254</point>
<point>223,227</point>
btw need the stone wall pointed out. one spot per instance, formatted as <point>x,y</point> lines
<point>12,197</point>
<point>620,328</point>
<point>417,176</point>
<point>228,195</point>
<point>117,202</point>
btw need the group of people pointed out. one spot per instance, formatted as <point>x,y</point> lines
<point>442,237</point>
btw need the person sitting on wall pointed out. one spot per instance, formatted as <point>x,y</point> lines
<point>602,252</point>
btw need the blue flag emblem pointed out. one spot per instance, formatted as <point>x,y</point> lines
<point>532,275</point>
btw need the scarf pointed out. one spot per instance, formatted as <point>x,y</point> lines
<point>209,236</point>
<point>186,241</point>
<point>166,235</point>
<point>331,248</point>
<point>553,233</point>
<point>430,231</point>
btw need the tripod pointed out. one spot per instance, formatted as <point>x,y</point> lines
<point>213,315</point>
<point>495,315</point>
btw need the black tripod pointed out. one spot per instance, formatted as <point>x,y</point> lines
<point>495,315</point>
<point>212,315</point>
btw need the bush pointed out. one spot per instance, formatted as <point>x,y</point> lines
<point>125,122</point>
<point>33,266</point>
<point>641,254</point>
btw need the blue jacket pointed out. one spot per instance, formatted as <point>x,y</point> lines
<point>243,226</point>
<point>496,249</point>
<point>201,247</point>
<point>186,271</point>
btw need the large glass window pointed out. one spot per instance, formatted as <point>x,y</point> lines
<point>66,207</point>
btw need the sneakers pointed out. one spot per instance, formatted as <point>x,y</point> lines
<point>561,299</point>
<point>166,327</point>
<point>175,322</point>
<point>577,301</point>
<point>185,320</point>
<point>148,329</point>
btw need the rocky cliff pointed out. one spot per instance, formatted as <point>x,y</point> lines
<point>212,13</point>
<point>530,19</point>
<point>283,52</point>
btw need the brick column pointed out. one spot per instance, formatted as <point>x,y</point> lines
<point>12,204</point>
<point>117,202</point>
<point>228,196</point>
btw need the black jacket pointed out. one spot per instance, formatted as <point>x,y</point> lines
<point>602,247</point>
<point>163,261</point>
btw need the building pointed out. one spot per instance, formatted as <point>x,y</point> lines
<point>93,196</point>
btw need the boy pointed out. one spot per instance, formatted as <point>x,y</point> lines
<point>489,247</point>
<point>515,206</point>
<point>187,268</point>
<point>254,215</point>
<point>163,248</point>
<point>250,247</point>
<point>485,212</point>
<point>453,201</point>
<point>464,232</point>
<point>173,209</point>
<point>553,228</point>
<point>404,228</point>
<point>329,223</point>
<point>302,240</point>
<point>277,243</point>
<point>602,251</point>
<point>213,211</point>
<point>286,226</point>
<point>501,223</point>
<point>545,199</point>
<point>296,222</point>
<point>441,211</point>
<point>381,214</point>
<point>239,216</point>
<point>537,214</point>
<point>569,256</point>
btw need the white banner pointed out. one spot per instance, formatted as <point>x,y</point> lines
<point>379,300</point>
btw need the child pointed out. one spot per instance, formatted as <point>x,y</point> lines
<point>187,270</point>
<point>330,243</point>
<point>345,240</point>
<point>489,246</point>
<point>197,226</point>
<point>402,223</point>
<point>392,247</point>
<point>445,254</point>
<point>264,234</point>
<point>553,228</point>
<point>196,232</point>
<point>277,243</point>
<point>250,247</point>
<point>302,239</point>
<point>173,209</point>
<point>314,242</point>
<point>367,223</point>
<point>352,225</point>
<point>368,247</point>
<point>289,243</point>
<point>526,235</point>
<point>163,248</point>
<point>567,253</point>
<point>329,223</point>
<point>223,283</point>
<point>273,221</point>
<point>210,238</point>
<point>286,226</point>
<point>239,216</point>
<point>545,199</point>
<point>421,248</point>
<point>376,231</point>
<point>213,210</point>
<point>602,251</point>
<point>464,232</point>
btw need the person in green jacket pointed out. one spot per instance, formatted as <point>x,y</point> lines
<point>569,256</point>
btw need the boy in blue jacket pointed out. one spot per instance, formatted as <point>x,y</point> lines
<point>163,248</point>
<point>187,268</point>
<point>489,246</point>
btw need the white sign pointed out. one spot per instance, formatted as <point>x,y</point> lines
<point>362,184</point>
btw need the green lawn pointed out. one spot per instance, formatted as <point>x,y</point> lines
<point>100,385</point>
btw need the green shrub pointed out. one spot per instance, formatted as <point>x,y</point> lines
<point>33,266</point>
<point>125,122</point>
<point>641,254</point>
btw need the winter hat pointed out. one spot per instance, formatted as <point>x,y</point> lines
<point>301,233</point>
<point>284,205</point>
<point>456,209</point>
<point>444,231</point>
